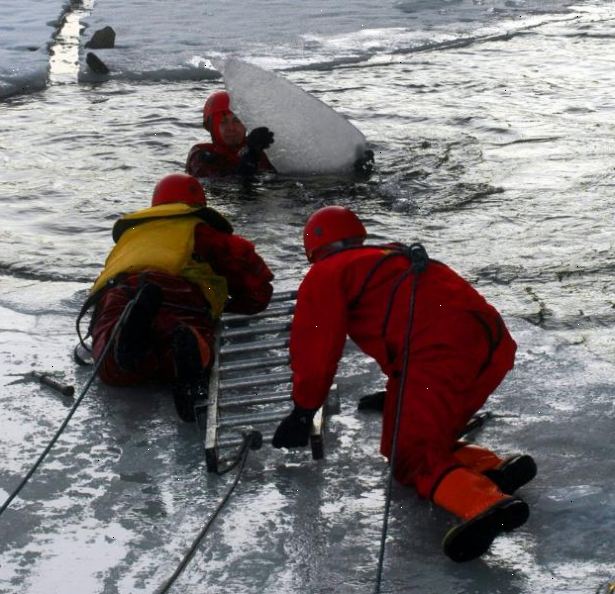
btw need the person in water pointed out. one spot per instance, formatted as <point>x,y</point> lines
<point>231,151</point>
<point>177,266</point>
<point>444,350</point>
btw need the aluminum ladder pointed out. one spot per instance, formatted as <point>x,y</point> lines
<point>250,382</point>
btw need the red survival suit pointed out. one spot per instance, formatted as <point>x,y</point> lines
<point>210,159</point>
<point>202,268</point>
<point>460,350</point>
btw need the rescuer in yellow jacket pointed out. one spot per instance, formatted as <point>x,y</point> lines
<point>187,266</point>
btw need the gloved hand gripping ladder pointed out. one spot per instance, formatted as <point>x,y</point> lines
<point>249,384</point>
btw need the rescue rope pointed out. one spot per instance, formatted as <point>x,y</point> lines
<point>419,259</point>
<point>116,329</point>
<point>252,441</point>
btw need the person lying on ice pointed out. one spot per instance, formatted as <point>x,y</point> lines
<point>186,266</point>
<point>231,152</point>
<point>444,350</point>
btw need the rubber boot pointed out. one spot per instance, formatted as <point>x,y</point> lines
<point>134,338</point>
<point>513,473</point>
<point>486,511</point>
<point>509,474</point>
<point>191,356</point>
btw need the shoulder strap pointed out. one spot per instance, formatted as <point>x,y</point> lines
<point>415,253</point>
<point>417,260</point>
<point>205,213</point>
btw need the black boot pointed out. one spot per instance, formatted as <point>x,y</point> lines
<point>191,383</point>
<point>513,473</point>
<point>472,538</point>
<point>134,338</point>
<point>187,394</point>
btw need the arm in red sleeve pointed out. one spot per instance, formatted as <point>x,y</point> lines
<point>198,159</point>
<point>318,334</point>
<point>233,257</point>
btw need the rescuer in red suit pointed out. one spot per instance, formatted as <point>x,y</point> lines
<point>231,152</point>
<point>186,266</point>
<point>444,350</point>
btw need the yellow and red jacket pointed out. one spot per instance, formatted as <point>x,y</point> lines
<point>194,243</point>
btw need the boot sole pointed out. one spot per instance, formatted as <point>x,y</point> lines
<point>472,538</point>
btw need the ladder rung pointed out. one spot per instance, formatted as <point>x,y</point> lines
<point>235,439</point>
<point>247,400</point>
<point>250,418</point>
<point>256,380</point>
<point>263,363</point>
<point>283,296</point>
<point>252,352</point>
<point>274,312</point>
<point>256,330</point>
<point>263,345</point>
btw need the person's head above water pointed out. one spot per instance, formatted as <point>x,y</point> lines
<point>223,125</point>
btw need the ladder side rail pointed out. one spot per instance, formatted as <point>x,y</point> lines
<point>211,452</point>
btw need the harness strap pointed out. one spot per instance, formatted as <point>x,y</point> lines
<point>368,277</point>
<point>493,341</point>
<point>92,300</point>
<point>418,260</point>
<point>402,277</point>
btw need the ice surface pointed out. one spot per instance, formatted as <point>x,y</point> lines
<point>497,155</point>
<point>177,41</point>
<point>26,27</point>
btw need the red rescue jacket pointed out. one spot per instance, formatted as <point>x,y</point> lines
<point>332,303</point>
<point>216,160</point>
<point>233,257</point>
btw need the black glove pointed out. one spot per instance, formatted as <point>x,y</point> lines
<point>365,164</point>
<point>294,430</point>
<point>373,401</point>
<point>259,139</point>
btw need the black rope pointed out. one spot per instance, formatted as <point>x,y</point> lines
<point>419,263</point>
<point>252,440</point>
<point>54,439</point>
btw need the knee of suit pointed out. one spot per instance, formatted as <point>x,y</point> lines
<point>421,467</point>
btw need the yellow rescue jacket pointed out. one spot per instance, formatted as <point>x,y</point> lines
<point>162,238</point>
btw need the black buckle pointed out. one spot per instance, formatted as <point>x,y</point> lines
<point>418,256</point>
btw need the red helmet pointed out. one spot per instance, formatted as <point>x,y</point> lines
<point>217,102</point>
<point>179,187</point>
<point>328,226</point>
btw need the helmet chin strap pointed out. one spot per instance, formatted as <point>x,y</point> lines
<point>334,247</point>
